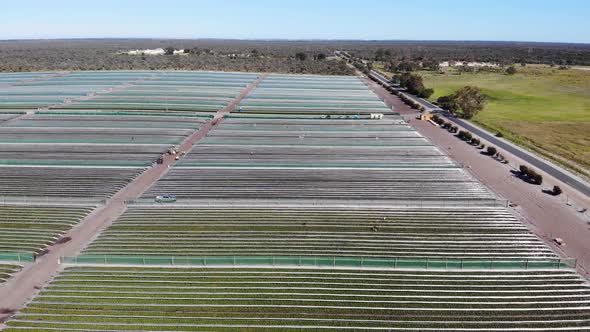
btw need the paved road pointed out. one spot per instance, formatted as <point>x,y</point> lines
<point>535,161</point>
<point>529,157</point>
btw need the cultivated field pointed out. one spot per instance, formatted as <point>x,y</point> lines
<point>313,141</point>
<point>31,229</point>
<point>257,170</point>
<point>295,211</point>
<point>132,139</point>
<point>6,271</point>
<point>64,182</point>
<point>319,183</point>
<point>491,233</point>
<point>120,90</point>
<point>542,108</point>
<point>284,94</point>
<point>215,299</point>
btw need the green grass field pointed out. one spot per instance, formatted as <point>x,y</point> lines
<point>542,108</point>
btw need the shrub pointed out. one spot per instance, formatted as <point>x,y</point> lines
<point>426,93</point>
<point>465,135</point>
<point>492,150</point>
<point>499,134</point>
<point>531,173</point>
<point>475,141</point>
<point>556,190</point>
<point>482,146</point>
<point>454,129</point>
<point>533,176</point>
<point>537,178</point>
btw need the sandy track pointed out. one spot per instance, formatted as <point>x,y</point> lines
<point>25,284</point>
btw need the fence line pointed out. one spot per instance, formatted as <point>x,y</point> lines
<point>323,261</point>
<point>65,200</point>
<point>392,203</point>
<point>213,202</point>
<point>21,257</point>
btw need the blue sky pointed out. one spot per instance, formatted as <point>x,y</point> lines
<point>519,20</point>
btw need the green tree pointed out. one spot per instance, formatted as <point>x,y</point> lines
<point>300,56</point>
<point>511,70</point>
<point>447,102</point>
<point>169,50</point>
<point>380,55</point>
<point>426,93</point>
<point>413,84</point>
<point>470,100</point>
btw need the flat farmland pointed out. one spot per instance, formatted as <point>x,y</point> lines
<point>295,210</point>
<point>93,183</point>
<point>313,141</point>
<point>6,271</point>
<point>92,138</point>
<point>542,108</point>
<point>245,299</point>
<point>30,229</point>
<point>122,90</point>
<point>311,94</point>
<point>492,233</point>
<point>322,184</point>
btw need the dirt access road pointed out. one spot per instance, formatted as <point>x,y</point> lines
<point>24,285</point>
<point>547,216</point>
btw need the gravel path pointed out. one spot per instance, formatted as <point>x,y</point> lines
<point>25,285</point>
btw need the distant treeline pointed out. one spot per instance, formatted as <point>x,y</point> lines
<point>216,55</point>
<point>310,57</point>
<point>503,53</point>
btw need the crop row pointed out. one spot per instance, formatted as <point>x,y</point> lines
<point>59,182</point>
<point>6,271</point>
<point>224,302</point>
<point>32,228</point>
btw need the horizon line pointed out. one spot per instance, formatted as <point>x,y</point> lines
<point>289,40</point>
